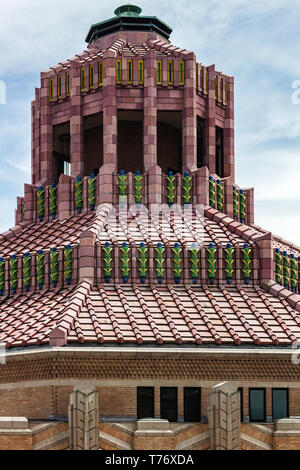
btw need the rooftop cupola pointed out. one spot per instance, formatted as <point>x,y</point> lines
<point>128,18</point>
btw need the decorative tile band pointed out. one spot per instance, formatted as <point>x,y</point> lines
<point>130,263</point>
<point>131,188</point>
<point>125,73</point>
<point>28,272</point>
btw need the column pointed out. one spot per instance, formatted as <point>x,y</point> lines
<point>150,111</point>
<point>189,118</point>
<point>229,169</point>
<point>210,134</point>
<point>110,112</point>
<point>76,123</point>
<point>46,134</point>
<point>83,413</point>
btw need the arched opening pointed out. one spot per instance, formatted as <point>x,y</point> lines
<point>93,143</point>
<point>61,150</point>
<point>219,152</point>
<point>200,142</point>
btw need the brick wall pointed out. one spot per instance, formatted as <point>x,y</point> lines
<point>40,402</point>
<point>122,403</point>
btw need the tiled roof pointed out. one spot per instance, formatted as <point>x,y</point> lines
<point>150,314</point>
<point>54,233</point>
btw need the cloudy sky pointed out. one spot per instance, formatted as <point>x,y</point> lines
<point>256,41</point>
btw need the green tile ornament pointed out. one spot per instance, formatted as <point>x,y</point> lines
<point>229,263</point>
<point>27,271</point>
<point>142,262</point>
<point>159,262</point>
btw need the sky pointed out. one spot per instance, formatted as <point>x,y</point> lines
<point>255,41</point>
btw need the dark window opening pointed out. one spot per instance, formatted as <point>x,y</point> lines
<point>200,142</point>
<point>192,404</point>
<point>169,141</point>
<point>93,143</point>
<point>240,389</point>
<point>280,403</point>
<point>145,402</point>
<point>168,403</point>
<point>257,404</point>
<point>61,150</point>
<point>219,152</point>
<point>130,141</point>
